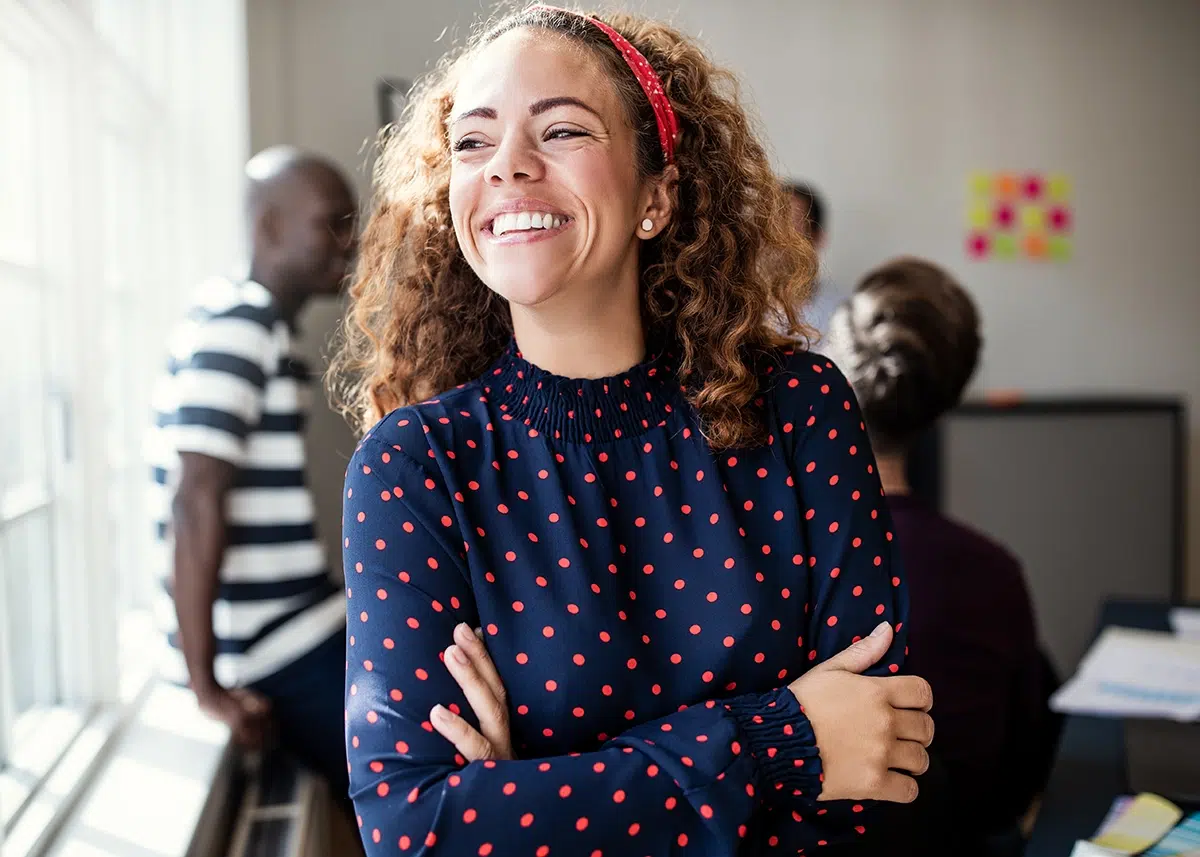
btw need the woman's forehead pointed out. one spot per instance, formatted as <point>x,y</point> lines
<point>529,65</point>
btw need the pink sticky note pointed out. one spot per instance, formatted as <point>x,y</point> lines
<point>1060,218</point>
<point>978,245</point>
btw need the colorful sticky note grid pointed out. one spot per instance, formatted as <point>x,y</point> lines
<point>1019,215</point>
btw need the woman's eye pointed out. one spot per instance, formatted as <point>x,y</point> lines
<point>564,133</point>
<point>466,144</point>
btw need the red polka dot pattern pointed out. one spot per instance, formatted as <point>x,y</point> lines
<point>642,598</point>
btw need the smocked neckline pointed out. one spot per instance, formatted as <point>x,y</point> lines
<point>585,410</point>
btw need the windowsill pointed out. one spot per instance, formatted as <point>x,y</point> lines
<point>161,790</point>
<point>148,777</point>
<point>41,738</point>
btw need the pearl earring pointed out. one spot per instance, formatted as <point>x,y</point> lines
<point>647,225</point>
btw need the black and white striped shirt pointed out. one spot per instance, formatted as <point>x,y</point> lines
<point>234,390</point>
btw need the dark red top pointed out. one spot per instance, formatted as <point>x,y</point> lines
<point>972,636</point>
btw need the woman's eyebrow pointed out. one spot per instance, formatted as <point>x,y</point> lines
<point>535,109</point>
<point>539,107</point>
<point>481,112</point>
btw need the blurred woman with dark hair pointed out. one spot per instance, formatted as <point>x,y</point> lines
<point>908,341</point>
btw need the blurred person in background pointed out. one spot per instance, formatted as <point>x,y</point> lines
<point>908,340</point>
<point>809,218</point>
<point>260,628</point>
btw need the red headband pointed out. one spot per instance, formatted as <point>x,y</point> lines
<point>664,114</point>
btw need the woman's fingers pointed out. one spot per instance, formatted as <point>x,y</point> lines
<point>477,652</point>
<point>897,788</point>
<point>914,726</point>
<point>491,712</point>
<point>465,738</point>
<point>908,691</point>
<point>909,756</point>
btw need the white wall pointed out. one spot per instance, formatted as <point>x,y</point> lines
<point>887,107</point>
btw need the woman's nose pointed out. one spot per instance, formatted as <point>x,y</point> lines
<point>514,161</point>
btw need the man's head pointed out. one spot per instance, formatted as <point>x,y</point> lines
<point>808,212</point>
<point>301,213</point>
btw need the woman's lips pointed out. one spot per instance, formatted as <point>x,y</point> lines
<point>525,236</point>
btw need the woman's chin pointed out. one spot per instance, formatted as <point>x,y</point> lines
<point>526,291</point>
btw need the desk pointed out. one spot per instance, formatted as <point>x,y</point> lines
<point>1089,770</point>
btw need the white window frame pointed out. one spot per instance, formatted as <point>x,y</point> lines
<point>198,112</point>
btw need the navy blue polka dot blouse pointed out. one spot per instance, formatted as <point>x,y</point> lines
<point>646,601</point>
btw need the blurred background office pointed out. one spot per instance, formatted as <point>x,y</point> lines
<point>1042,151</point>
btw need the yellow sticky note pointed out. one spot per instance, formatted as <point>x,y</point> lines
<point>980,184</point>
<point>979,215</point>
<point>1060,248</point>
<point>1145,821</point>
<point>1033,217</point>
<point>1059,187</point>
<point>1004,246</point>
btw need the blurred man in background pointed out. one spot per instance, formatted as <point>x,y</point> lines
<point>260,631</point>
<point>809,218</point>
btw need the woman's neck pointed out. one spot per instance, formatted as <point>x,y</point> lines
<point>893,474</point>
<point>597,340</point>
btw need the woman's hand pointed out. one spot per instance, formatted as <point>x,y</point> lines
<point>867,728</point>
<point>472,667</point>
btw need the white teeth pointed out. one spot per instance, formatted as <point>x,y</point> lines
<point>525,220</point>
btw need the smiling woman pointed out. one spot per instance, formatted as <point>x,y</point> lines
<point>663,516</point>
<point>422,318</point>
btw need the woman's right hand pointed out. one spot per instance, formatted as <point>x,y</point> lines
<point>867,729</point>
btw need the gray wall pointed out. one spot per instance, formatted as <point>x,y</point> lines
<point>887,106</point>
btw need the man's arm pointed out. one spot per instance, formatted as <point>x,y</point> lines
<point>198,522</point>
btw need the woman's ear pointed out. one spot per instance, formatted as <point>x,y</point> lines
<point>658,203</point>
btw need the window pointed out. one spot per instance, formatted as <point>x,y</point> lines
<point>37,719</point>
<point>30,395</point>
<point>122,138</point>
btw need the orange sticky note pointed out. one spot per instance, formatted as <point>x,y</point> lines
<point>1007,185</point>
<point>1035,246</point>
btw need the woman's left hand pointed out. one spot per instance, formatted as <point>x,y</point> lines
<point>472,667</point>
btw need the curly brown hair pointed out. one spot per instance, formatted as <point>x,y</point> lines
<point>721,284</point>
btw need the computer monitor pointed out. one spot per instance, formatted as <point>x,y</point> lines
<point>1088,494</point>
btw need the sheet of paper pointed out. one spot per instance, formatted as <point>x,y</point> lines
<point>1119,805</point>
<point>1180,842</point>
<point>1185,622</point>
<point>1144,822</point>
<point>1133,673</point>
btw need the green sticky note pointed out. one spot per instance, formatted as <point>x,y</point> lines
<point>1060,248</point>
<point>979,215</point>
<point>1033,217</point>
<point>1059,187</point>
<point>1004,245</point>
<point>980,184</point>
